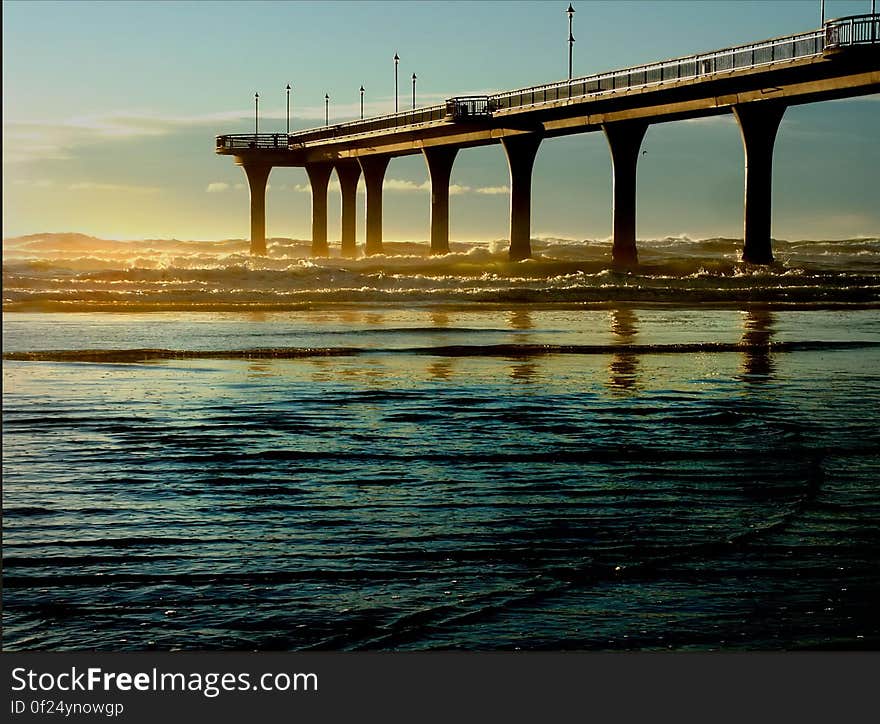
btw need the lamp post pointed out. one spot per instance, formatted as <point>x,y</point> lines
<point>570,13</point>
<point>362,103</point>
<point>256,115</point>
<point>414,91</point>
<point>822,11</point>
<point>288,109</point>
<point>873,21</point>
<point>396,61</point>
<point>326,109</point>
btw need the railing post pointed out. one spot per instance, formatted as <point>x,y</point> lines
<point>319,177</point>
<point>374,168</point>
<point>521,151</point>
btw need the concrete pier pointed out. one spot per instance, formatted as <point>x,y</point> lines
<point>758,124</point>
<point>439,161</point>
<point>374,175</point>
<point>319,178</point>
<point>257,176</point>
<point>521,151</point>
<point>625,140</point>
<point>349,173</point>
<point>755,82</point>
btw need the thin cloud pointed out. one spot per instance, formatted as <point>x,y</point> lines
<point>217,187</point>
<point>28,140</point>
<point>124,188</point>
<point>41,183</point>
<point>394,184</point>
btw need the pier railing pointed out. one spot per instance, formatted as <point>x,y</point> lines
<point>790,47</point>
<point>852,30</point>
<point>368,125</point>
<point>838,33</point>
<point>253,141</point>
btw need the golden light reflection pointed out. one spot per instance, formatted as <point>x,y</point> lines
<point>758,329</point>
<point>440,369</point>
<point>440,320</point>
<point>623,369</point>
<point>261,368</point>
<point>524,368</point>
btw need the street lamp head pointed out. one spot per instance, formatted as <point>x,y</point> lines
<point>414,76</point>
<point>288,86</point>
<point>396,57</point>
<point>256,95</point>
<point>326,96</point>
<point>362,89</point>
<point>570,10</point>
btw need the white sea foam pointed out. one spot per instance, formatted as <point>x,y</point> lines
<point>73,271</point>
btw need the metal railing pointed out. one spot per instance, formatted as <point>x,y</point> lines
<point>841,32</point>
<point>462,108</point>
<point>790,47</point>
<point>852,30</point>
<point>368,125</point>
<point>252,140</point>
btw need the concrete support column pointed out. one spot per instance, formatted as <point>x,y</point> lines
<point>319,177</point>
<point>374,175</point>
<point>758,124</point>
<point>439,161</point>
<point>624,140</point>
<point>257,176</point>
<point>349,172</point>
<point>521,152</point>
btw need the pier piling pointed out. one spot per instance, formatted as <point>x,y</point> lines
<point>439,161</point>
<point>521,151</point>
<point>758,124</point>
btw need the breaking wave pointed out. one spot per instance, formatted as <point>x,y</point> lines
<point>74,272</point>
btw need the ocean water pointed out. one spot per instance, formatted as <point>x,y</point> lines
<point>203,451</point>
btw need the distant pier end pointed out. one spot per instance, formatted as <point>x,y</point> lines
<point>755,82</point>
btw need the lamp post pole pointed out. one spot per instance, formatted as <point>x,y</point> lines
<point>414,91</point>
<point>362,103</point>
<point>256,116</point>
<point>822,11</point>
<point>326,109</point>
<point>396,62</point>
<point>288,109</point>
<point>570,13</point>
<point>873,21</point>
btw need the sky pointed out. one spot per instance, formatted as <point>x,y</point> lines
<point>110,111</point>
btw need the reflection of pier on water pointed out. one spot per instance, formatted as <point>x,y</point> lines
<point>623,369</point>
<point>758,327</point>
<point>523,368</point>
